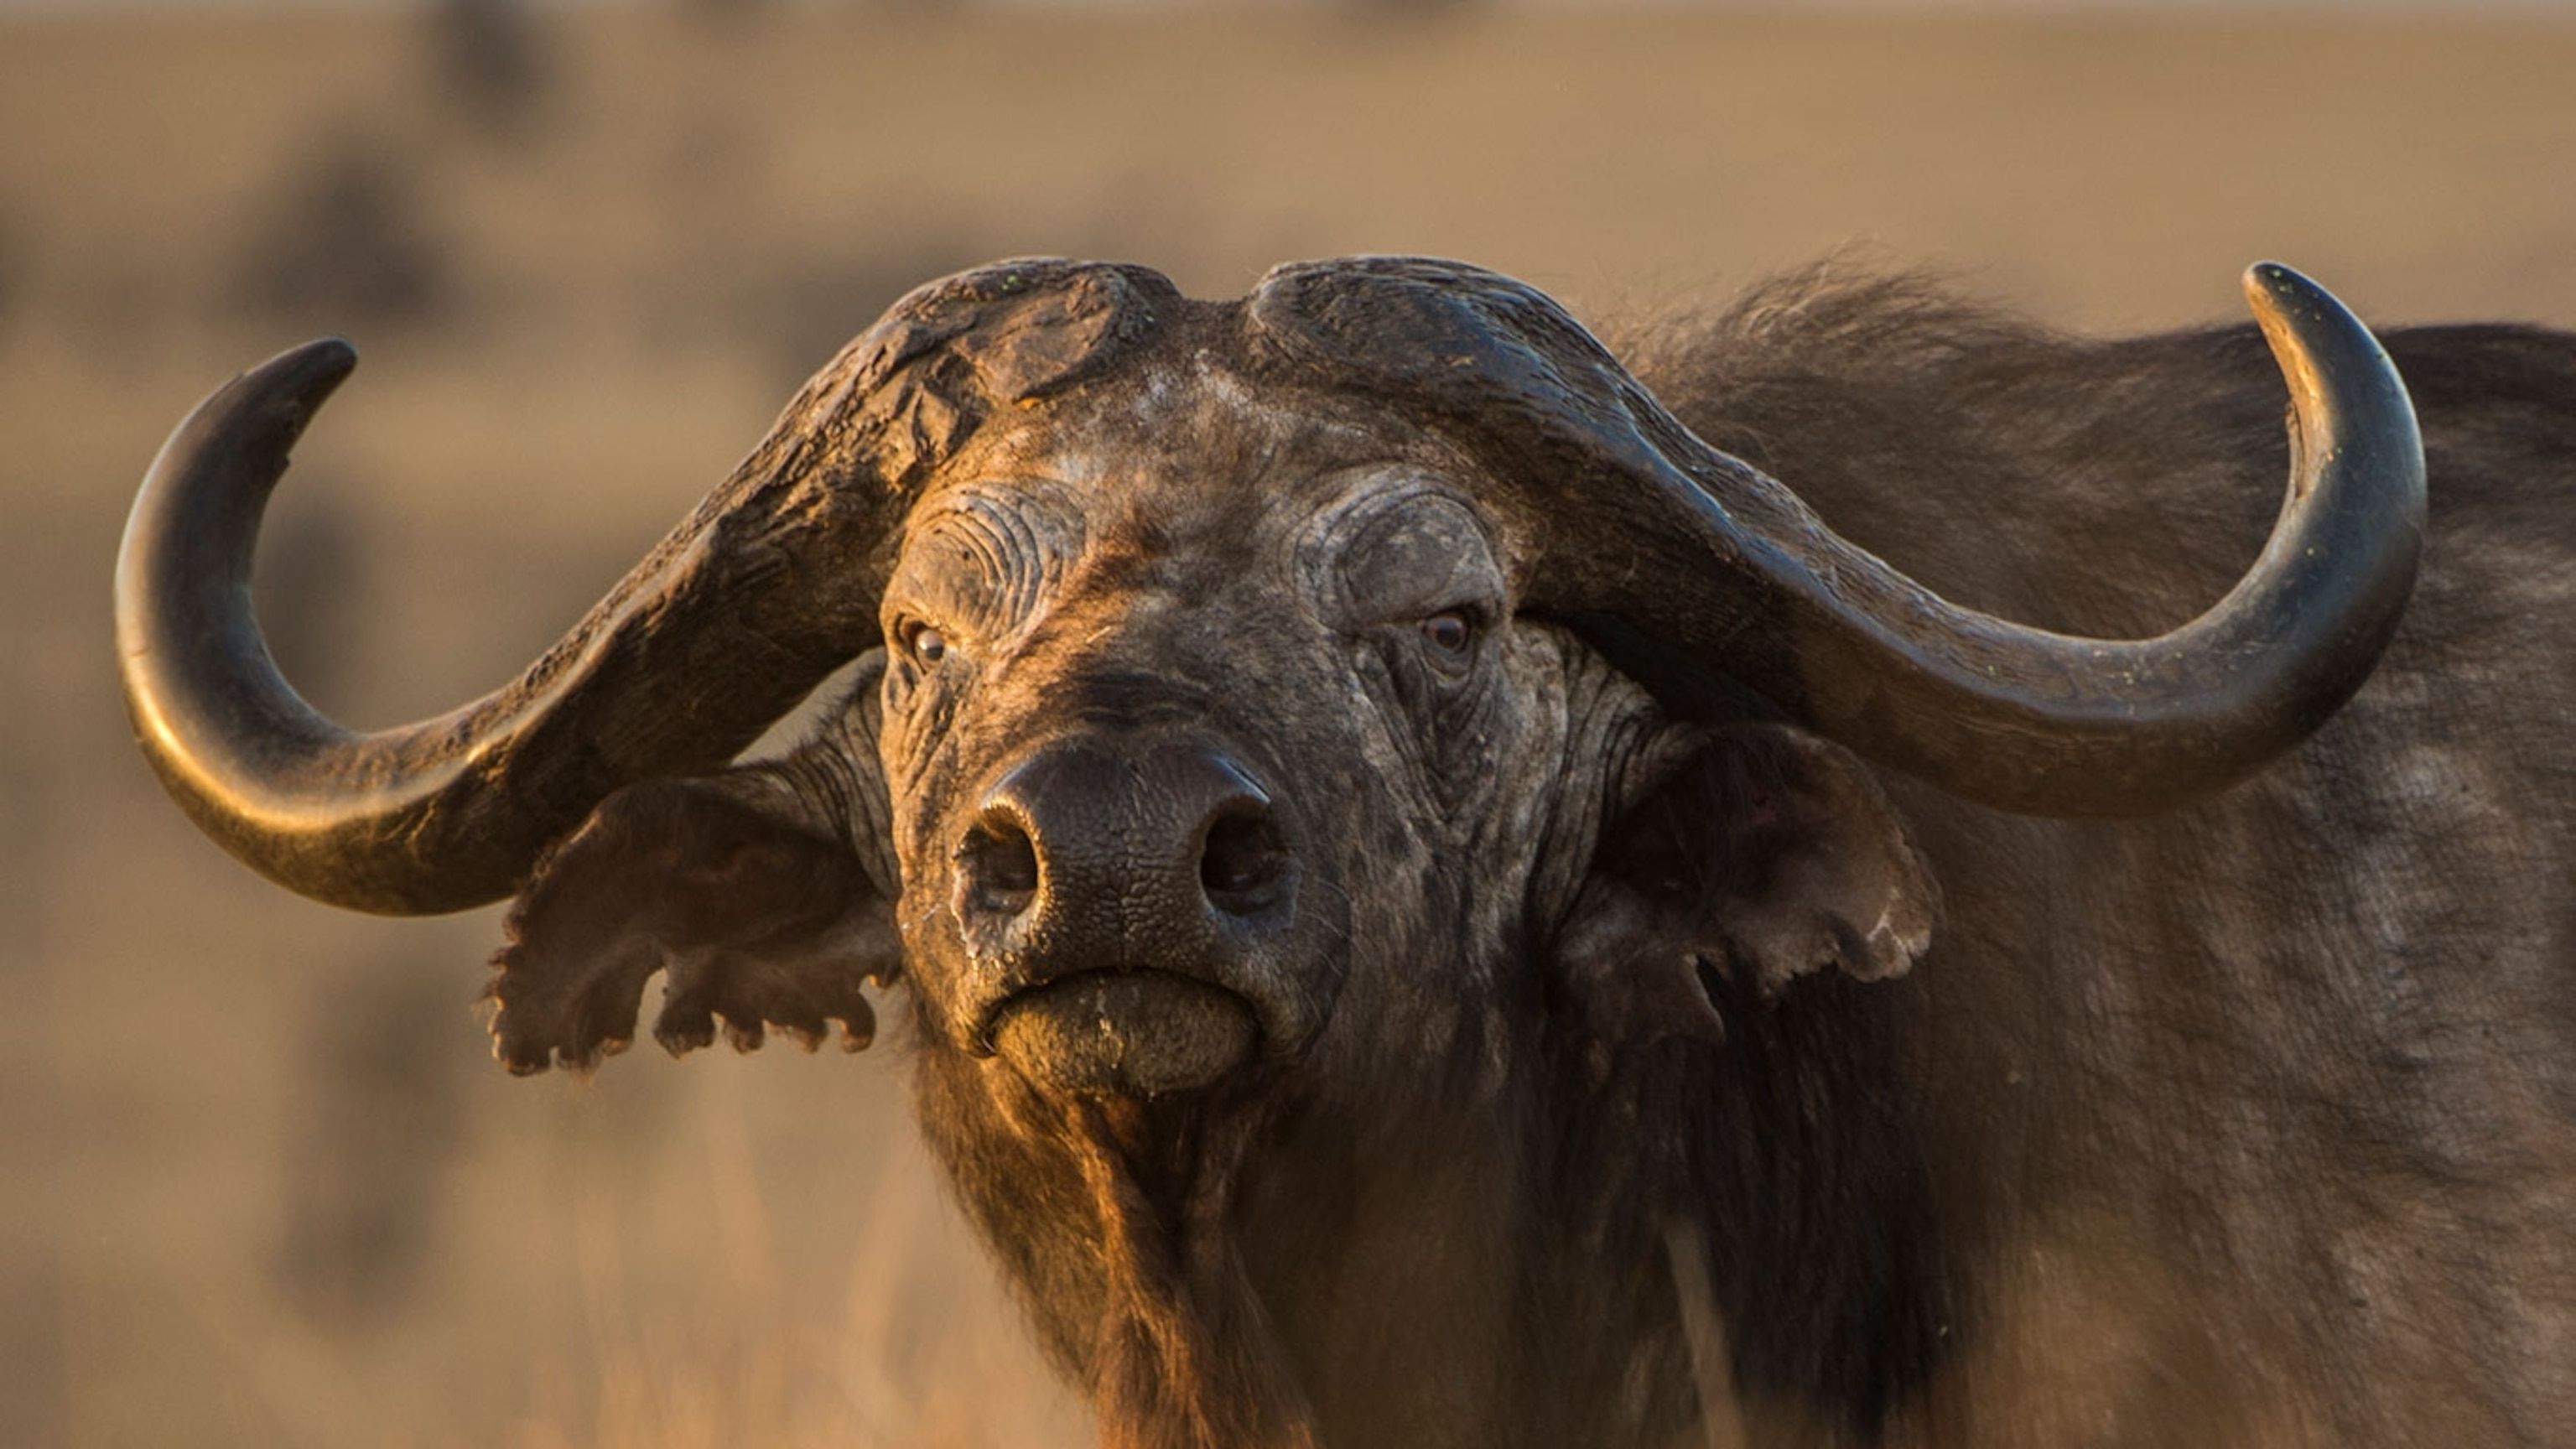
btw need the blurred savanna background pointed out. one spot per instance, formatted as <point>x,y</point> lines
<point>262,1184</point>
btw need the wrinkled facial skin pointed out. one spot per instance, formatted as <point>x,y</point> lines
<point>1209,735</point>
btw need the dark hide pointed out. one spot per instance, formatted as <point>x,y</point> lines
<point>1663,1079</point>
<point>2249,1123</point>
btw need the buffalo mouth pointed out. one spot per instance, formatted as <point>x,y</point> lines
<point>1125,1032</point>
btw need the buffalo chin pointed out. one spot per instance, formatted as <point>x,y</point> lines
<point>1125,1033</point>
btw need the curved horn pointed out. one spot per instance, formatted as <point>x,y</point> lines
<point>1676,543</point>
<point>683,664</point>
<point>771,584</point>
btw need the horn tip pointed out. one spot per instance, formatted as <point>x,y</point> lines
<point>321,364</point>
<point>282,393</point>
<point>2276,291</point>
<point>2312,335</point>
<point>2288,303</point>
<point>2269,274</point>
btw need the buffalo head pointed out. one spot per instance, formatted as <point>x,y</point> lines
<point>1262,685</point>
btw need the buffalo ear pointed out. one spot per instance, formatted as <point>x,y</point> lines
<point>1759,853</point>
<point>734,884</point>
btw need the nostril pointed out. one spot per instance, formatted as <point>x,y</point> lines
<point>998,866</point>
<point>1242,863</point>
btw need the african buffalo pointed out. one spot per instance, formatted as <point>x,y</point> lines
<point>1443,906</point>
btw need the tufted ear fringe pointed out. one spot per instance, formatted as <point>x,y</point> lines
<point>757,918</point>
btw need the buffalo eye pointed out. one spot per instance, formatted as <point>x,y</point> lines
<point>1449,632</point>
<point>925,643</point>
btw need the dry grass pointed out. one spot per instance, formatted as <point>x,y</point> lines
<point>262,1186</point>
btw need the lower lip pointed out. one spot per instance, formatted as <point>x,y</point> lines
<point>1125,1033</point>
